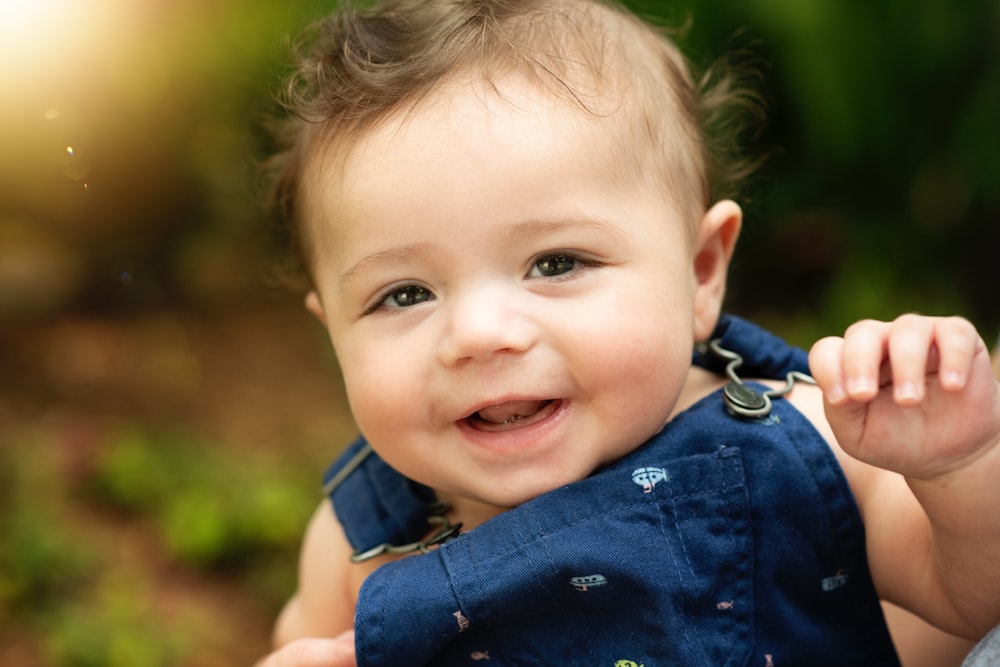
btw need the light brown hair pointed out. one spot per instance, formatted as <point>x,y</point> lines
<point>359,65</point>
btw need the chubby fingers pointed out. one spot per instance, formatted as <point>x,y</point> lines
<point>912,353</point>
<point>850,368</point>
<point>903,353</point>
<point>826,368</point>
<point>957,342</point>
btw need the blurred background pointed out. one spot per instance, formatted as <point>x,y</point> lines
<point>166,410</point>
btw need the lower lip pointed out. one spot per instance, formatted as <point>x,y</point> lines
<point>517,437</point>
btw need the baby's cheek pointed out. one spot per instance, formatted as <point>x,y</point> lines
<point>646,384</point>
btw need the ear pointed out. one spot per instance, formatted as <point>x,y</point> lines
<point>713,249</point>
<point>315,306</point>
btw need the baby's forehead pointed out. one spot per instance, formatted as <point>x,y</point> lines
<point>470,114</point>
<point>511,95</point>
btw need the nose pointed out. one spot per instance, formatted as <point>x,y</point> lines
<point>484,322</point>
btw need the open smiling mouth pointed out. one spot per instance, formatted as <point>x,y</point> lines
<point>511,415</point>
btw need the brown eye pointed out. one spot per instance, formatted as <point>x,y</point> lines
<point>404,297</point>
<point>553,265</point>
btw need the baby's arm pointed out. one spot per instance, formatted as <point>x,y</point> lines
<point>917,399</point>
<point>323,605</point>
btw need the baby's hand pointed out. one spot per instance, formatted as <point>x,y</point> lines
<point>336,652</point>
<point>916,395</point>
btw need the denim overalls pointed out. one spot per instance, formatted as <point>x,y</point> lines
<point>722,541</point>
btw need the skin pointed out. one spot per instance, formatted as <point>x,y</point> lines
<point>919,644</point>
<point>495,320</point>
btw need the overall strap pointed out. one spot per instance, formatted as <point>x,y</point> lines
<point>377,506</point>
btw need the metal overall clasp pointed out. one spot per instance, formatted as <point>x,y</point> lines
<point>742,399</point>
<point>436,516</point>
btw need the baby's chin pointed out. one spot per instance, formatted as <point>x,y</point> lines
<point>472,508</point>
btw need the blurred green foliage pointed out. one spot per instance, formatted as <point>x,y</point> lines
<point>115,627</point>
<point>209,511</point>
<point>181,506</point>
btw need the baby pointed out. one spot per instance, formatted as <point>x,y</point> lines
<point>514,219</point>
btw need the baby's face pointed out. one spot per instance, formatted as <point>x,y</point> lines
<point>508,310</point>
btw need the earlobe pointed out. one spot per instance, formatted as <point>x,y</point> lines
<point>713,250</point>
<point>315,306</point>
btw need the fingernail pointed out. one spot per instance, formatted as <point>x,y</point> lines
<point>860,385</point>
<point>906,391</point>
<point>952,380</point>
<point>835,394</point>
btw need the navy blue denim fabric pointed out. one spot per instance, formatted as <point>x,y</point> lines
<point>376,505</point>
<point>720,542</point>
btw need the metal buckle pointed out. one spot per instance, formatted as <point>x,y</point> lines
<point>436,517</point>
<point>743,400</point>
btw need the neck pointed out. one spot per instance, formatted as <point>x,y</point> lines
<point>470,513</point>
<point>699,384</point>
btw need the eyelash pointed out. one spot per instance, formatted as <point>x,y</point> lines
<point>578,264</point>
<point>560,256</point>
<point>379,303</point>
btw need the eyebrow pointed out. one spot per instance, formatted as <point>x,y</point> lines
<point>529,230</point>
<point>389,256</point>
<point>538,229</point>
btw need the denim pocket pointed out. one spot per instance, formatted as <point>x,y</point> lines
<point>649,566</point>
<point>710,531</point>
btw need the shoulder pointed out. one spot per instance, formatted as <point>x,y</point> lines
<point>808,400</point>
<point>862,477</point>
<point>328,584</point>
<point>894,521</point>
<point>323,604</point>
